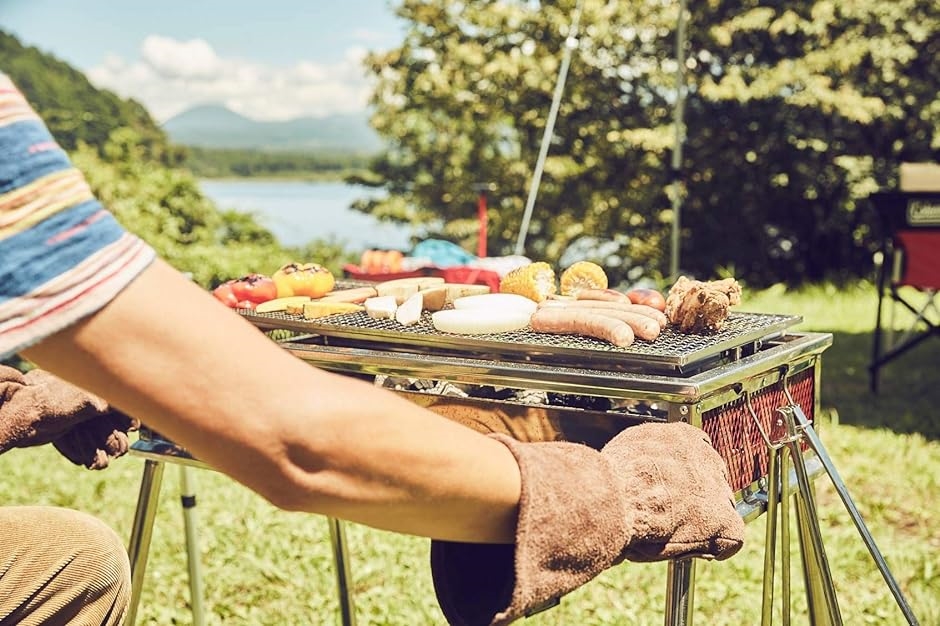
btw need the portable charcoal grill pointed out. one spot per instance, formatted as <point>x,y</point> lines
<point>753,387</point>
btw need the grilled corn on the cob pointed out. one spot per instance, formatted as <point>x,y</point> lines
<point>582,275</point>
<point>535,281</point>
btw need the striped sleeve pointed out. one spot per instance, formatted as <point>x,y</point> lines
<point>62,255</point>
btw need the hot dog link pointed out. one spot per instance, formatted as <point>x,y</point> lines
<point>582,322</point>
<point>601,305</point>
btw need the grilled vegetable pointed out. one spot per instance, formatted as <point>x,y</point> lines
<point>409,311</point>
<point>404,288</point>
<point>315,309</point>
<point>477,321</point>
<point>356,295</point>
<point>381,307</point>
<point>255,288</point>
<point>535,281</point>
<point>495,302</point>
<point>582,275</point>
<point>282,304</point>
<point>303,279</point>
<point>225,295</point>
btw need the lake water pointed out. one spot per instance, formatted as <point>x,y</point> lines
<point>298,212</point>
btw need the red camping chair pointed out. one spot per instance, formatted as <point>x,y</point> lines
<point>910,259</point>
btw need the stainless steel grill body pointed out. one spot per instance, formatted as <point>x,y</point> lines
<point>730,384</point>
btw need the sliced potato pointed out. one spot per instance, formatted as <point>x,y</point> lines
<point>404,288</point>
<point>409,311</point>
<point>381,307</point>
<point>313,310</point>
<point>281,304</point>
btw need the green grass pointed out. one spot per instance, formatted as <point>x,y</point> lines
<point>265,566</point>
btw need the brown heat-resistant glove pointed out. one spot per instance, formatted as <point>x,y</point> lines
<point>655,492</point>
<point>95,442</point>
<point>37,408</point>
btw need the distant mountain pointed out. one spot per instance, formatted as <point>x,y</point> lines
<point>216,126</point>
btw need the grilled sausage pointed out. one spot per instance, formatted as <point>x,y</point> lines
<point>606,295</point>
<point>582,322</point>
<point>599,305</point>
<point>644,327</point>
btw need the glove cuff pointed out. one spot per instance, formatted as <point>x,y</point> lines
<point>570,528</point>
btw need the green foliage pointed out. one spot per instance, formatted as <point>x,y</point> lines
<point>244,163</point>
<point>75,111</point>
<point>795,113</point>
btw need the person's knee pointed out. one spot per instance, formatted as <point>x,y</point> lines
<point>101,550</point>
<point>64,566</point>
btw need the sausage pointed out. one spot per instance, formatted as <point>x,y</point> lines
<point>642,309</point>
<point>644,327</point>
<point>607,295</point>
<point>582,322</point>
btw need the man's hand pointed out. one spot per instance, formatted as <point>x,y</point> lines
<point>37,408</point>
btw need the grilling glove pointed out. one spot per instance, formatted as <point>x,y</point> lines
<point>38,408</point>
<point>654,492</point>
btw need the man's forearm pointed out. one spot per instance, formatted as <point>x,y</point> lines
<point>167,353</point>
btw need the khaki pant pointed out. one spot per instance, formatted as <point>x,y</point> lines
<point>58,567</point>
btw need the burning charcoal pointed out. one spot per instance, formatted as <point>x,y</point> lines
<point>492,393</point>
<point>573,401</point>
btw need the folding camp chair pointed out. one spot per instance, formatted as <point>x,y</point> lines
<point>908,276</point>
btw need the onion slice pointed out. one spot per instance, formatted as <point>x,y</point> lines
<point>497,302</point>
<point>479,321</point>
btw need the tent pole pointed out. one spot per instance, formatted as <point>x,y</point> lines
<point>571,42</point>
<point>675,173</point>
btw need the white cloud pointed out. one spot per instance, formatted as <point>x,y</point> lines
<point>172,75</point>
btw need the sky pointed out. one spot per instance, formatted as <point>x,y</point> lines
<point>266,59</point>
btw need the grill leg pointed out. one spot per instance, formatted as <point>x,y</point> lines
<point>142,531</point>
<point>816,445</point>
<point>343,577</point>
<point>770,537</point>
<point>679,592</point>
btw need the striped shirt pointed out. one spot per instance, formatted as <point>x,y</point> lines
<point>62,255</point>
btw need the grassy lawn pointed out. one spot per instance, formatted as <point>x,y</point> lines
<point>265,566</point>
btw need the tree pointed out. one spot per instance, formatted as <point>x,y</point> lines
<point>796,112</point>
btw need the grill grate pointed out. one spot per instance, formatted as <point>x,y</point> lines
<point>671,351</point>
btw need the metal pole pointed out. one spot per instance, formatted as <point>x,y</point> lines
<point>188,500</point>
<point>571,42</point>
<point>347,612</point>
<point>679,123</point>
<point>680,589</point>
<point>141,532</point>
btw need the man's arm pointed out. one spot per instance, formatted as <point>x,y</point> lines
<point>168,353</point>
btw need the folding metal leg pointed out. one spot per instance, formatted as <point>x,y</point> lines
<point>188,500</point>
<point>821,595</point>
<point>679,592</point>
<point>343,577</point>
<point>142,531</point>
<point>816,445</point>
